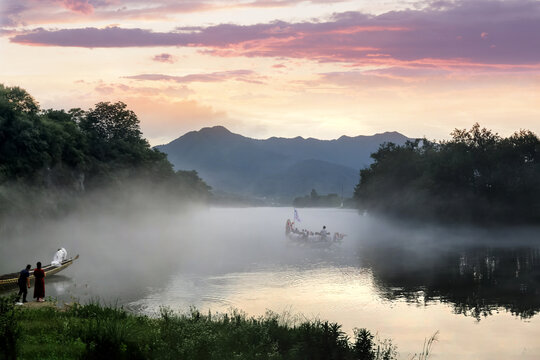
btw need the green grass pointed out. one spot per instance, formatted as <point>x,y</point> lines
<point>94,331</point>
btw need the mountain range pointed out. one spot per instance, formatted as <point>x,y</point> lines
<point>276,168</point>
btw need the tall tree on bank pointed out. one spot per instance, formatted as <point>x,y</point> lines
<point>116,146</point>
<point>78,150</point>
<point>23,143</point>
<point>477,176</point>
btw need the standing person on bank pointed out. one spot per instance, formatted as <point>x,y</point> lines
<point>39,285</point>
<point>24,283</point>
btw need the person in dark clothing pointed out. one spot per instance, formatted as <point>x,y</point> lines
<point>39,284</point>
<point>24,283</point>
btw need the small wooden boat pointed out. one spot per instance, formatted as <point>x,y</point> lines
<point>10,280</point>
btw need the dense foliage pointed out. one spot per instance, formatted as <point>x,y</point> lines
<point>316,200</point>
<point>78,151</point>
<point>477,176</point>
<point>96,332</point>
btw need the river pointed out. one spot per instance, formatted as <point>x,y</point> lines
<point>479,288</point>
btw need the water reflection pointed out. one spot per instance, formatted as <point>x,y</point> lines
<point>476,280</point>
<point>404,282</point>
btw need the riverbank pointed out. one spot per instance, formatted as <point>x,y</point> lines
<point>96,331</point>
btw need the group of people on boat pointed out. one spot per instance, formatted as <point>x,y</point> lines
<point>39,278</point>
<point>306,235</point>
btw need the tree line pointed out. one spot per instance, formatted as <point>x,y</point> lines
<point>79,151</point>
<point>315,200</point>
<point>476,176</point>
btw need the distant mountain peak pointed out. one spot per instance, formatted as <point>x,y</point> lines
<point>222,131</point>
<point>390,133</point>
<point>277,166</point>
<point>217,130</point>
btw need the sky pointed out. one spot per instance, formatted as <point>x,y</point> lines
<point>286,68</point>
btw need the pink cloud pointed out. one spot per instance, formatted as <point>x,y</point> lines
<point>165,58</point>
<point>11,12</point>
<point>78,6</point>
<point>106,89</point>
<point>103,89</point>
<point>357,79</point>
<point>409,72</point>
<point>441,36</point>
<point>237,75</point>
<point>24,12</point>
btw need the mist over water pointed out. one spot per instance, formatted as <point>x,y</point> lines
<point>405,281</point>
<point>123,252</point>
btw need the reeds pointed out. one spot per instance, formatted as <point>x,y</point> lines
<point>426,349</point>
<point>94,331</point>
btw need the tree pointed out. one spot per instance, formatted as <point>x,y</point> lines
<point>19,100</point>
<point>476,176</point>
<point>113,135</point>
<point>68,152</point>
<point>111,122</point>
<point>65,137</point>
<point>22,150</point>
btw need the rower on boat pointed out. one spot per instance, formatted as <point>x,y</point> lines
<point>60,256</point>
<point>323,233</point>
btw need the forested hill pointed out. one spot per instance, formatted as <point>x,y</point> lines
<point>55,156</point>
<point>275,167</point>
<point>476,177</point>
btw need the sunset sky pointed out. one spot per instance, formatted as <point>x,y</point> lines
<point>282,67</point>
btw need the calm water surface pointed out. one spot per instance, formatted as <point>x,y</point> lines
<point>479,288</point>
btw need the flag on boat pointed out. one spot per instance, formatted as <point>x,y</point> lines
<point>296,217</point>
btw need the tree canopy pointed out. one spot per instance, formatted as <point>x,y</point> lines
<point>476,176</point>
<point>78,150</point>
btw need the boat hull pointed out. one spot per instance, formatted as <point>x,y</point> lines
<point>9,281</point>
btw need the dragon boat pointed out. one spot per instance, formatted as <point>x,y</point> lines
<point>309,237</point>
<point>8,281</point>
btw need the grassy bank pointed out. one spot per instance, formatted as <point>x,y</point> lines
<point>94,331</point>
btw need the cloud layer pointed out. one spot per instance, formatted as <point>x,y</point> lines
<point>24,12</point>
<point>238,75</point>
<point>495,34</point>
<point>164,58</point>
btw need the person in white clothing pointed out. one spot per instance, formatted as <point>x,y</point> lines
<point>60,256</point>
<point>323,233</point>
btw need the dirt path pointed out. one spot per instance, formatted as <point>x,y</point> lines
<point>36,305</point>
